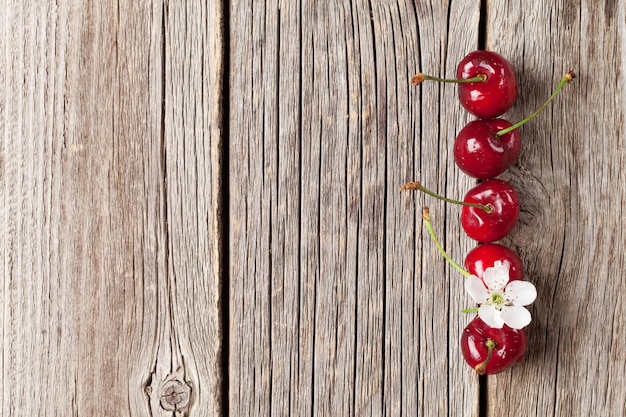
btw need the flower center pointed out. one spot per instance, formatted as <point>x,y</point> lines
<point>497,299</point>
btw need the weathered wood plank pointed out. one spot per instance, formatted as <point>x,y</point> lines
<point>571,183</point>
<point>112,223</point>
<point>111,213</point>
<point>75,257</point>
<point>190,340</point>
<point>339,303</point>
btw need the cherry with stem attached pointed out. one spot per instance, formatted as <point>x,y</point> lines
<point>480,258</point>
<point>489,350</point>
<point>486,83</point>
<point>486,349</point>
<point>494,225</point>
<point>490,210</point>
<point>484,149</point>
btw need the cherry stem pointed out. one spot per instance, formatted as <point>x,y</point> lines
<point>565,80</point>
<point>470,310</point>
<point>415,185</point>
<point>431,232</point>
<point>420,78</point>
<point>482,367</point>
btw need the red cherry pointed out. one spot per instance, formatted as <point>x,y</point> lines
<point>486,148</point>
<point>481,153</point>
<point>485,256</point>
<point>502,214</point>
<point>489,350</point>
<point>493,96</point>
<point>490,210</point>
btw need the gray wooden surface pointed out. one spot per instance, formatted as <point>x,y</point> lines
<point>201,212</point>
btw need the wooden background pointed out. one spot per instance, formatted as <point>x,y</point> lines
<point>200,209</point>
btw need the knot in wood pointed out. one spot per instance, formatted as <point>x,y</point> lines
<point>175,395</point>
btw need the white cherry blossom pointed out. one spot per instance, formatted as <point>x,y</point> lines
<point>501,301</point>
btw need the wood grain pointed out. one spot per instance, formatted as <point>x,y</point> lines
<point>111,212</point>
<point>571,183</point>
<point>191,338</point>
<point>133,185</point>
<point>339,304</point>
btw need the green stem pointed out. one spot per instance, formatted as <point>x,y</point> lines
<point>470,310</point>
<point>414,185</point>
<point>482,367</point>
<point>419,78</point>
<point>566,79</point>
<point>431,232</point>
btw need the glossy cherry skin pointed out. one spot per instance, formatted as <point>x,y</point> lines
<point>510,348</point>
<point>485,256</point>
<point>481,154</point>
<point>503,200</point>
<point>495,95</point>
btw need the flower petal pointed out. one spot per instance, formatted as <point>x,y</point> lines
<point>476,289</point>
<point>497,276</point>
<point>491,316</point>
<point>516,317</point>
<point>520,293</point>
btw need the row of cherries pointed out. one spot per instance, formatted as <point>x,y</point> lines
<point>485,148</point>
